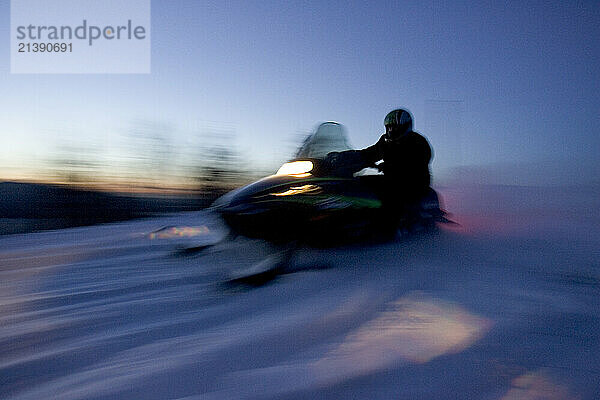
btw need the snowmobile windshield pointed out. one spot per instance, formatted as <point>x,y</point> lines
<point>329,136</point>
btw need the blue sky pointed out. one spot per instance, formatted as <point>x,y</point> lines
<point>504,86</point>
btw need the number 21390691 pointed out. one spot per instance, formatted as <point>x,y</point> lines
<point>45,47</point>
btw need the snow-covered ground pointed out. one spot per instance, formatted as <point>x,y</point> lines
<point>504,306</point>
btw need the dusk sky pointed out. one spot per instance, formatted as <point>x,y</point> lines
<point>498,87</point>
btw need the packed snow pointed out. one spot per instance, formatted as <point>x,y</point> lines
<point>504,305</point>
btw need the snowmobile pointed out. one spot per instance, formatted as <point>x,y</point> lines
<point>315,201</point>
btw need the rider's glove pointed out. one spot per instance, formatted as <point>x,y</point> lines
<point>332,159</point>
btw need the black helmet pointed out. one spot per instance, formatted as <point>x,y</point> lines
<point>397,123</point>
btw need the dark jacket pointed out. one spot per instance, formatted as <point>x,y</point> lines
<point>406,164</point>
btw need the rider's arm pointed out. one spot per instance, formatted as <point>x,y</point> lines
<point>373,153</point>
<point>347,160</point>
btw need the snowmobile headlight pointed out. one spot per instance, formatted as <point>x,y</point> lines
<point>296,168</point>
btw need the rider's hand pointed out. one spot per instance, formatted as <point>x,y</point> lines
<point>332,158</point>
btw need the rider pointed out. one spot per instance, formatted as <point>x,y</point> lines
<point>406,156</point>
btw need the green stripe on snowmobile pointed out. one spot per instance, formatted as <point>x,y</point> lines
<point>355,202</point>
